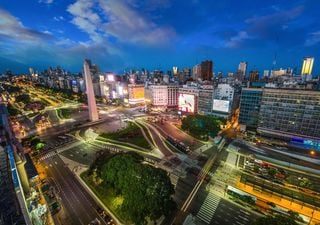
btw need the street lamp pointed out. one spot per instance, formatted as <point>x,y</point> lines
<point>312,152</point>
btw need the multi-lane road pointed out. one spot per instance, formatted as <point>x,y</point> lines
<point>78,207</point>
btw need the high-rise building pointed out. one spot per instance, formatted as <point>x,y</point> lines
<point>307,66</point>
<point>175,71</point>
<point>196,72</point>
<point>254,75</point>
<point>266,73</point>
<point>288,113</point>
<point>205,99</point>
<point>206,70</point>
<point>242,68</point>
<point>222,103</point>
<point>250,102</point>
<point>93,112</point>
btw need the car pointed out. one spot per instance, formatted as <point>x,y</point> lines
<point>99,210</point>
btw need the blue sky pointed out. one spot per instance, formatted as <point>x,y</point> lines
<point>134,34</point>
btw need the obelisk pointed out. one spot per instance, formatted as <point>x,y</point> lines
<point>92,105</point>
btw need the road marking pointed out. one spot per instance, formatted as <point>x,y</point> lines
<point>244,218</point>
<point>245,212</point>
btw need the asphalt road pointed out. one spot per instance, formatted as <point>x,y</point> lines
<point>169,129</point>
<point>226,212</point>
<point>79,208</point>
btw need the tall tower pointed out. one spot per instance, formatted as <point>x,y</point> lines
<point>307,66</point>
<point>206,70</point>
<point>242,68</point>
<point>92,105</point>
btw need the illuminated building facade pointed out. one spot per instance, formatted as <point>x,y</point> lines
<point>136,94</point>
<point>307,66</point>
<point>288,113</point>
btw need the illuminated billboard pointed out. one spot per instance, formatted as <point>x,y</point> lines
<point>136,94</point>
<point>110,77</point>
<point>186,103</point>
<point>220,105</point>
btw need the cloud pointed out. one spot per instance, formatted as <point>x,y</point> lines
<point>46,1</point>
<point>313,39</point>
<point>273,27</point>
<point>129,25</point>
<point>120,20</point>
<point>11,28</point>
<point>85,18</point>
<point>58,18</point>
<point>236,41</point>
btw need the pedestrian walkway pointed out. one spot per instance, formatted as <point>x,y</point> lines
<point>208,208</point>
<point>58,151</point>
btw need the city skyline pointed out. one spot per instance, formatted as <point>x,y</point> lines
<point>158,34</point>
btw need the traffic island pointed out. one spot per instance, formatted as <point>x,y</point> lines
<point>129,136</point>
<point>132,191</point>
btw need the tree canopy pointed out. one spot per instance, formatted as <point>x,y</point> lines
<point>25,98</point>
<point>278,220</point>
<point>146,190</point>
<point>202,126</point>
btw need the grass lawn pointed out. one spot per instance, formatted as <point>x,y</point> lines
<point>107,196</point>
<point>131,134</point>
<point>65,113</point>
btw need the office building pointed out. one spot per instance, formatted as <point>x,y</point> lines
<point>188,99</point>
<point>196,72</point>
<point>307,66</point>
<point>250,102</point>
<point>93,112</point>
<point>136,94</point>
<point>206,70</point>
<point>278,73</point>
<point>242,68</point>
<point>175,72</point>
<point>205,99</point>
<point>173,95</point>
<point>253,75</point>
<point>163,96</point>
<point>222,103</point>
<point>287,113</point>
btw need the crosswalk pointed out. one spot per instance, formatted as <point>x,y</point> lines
<point>50,154</point>
<point>208,207</point>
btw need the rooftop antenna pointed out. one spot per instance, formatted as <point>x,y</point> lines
<point>274,62</point>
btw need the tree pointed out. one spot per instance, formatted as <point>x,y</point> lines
<point>202,126</point>
<point>146,190</point>
<point>276,220</point>
<point>12,110</point>
<point>25,98</point>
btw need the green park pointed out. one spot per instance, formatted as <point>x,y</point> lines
<point>134,191</point>
<point>202,126</point>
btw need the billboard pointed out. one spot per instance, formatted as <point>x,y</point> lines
<point>220,105</point>
<point>186,103</point>
<point>136,94</point>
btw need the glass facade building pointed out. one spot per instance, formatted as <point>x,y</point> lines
<point>290,113</point>
<point>250,102</point>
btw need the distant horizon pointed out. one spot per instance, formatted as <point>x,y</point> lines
<point>129,34</point>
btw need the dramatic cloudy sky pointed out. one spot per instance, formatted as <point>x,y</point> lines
<point>128,34</point>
